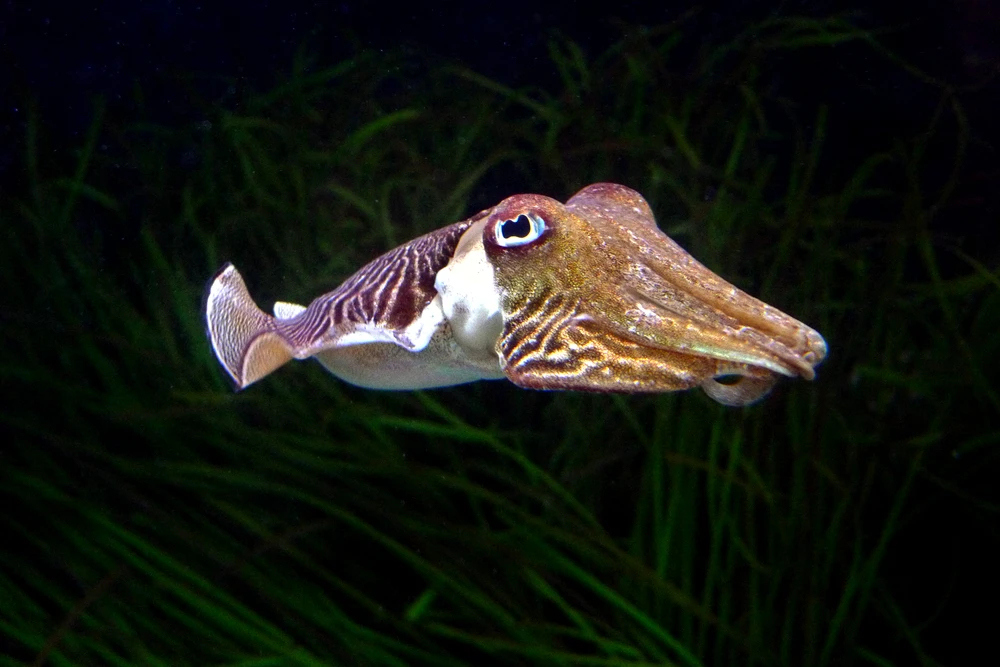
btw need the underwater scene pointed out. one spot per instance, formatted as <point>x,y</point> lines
<point>524,335</point>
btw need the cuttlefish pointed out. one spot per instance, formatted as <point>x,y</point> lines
<point>588,295</point>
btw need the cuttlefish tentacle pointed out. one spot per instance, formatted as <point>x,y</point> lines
<point>589,295</point>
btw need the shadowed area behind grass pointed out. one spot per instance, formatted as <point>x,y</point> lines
<point>155,517</point>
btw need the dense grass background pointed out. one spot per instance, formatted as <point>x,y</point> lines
<point>152,516</point>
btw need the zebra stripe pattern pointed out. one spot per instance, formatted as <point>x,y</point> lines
<point>388,293</point>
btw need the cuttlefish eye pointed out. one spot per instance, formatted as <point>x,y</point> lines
<point>524,229</point>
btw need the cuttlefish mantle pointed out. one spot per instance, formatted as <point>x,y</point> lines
<point>588,295</point>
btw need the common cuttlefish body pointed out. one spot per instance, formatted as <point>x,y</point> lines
<point>588,295</point>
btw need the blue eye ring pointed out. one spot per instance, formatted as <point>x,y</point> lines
<point>522,229</point>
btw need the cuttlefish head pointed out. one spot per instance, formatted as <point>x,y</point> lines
<point>593,296</point>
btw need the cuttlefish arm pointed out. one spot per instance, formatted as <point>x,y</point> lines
<point>589,295</point>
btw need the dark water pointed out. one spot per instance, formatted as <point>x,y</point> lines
<point>184,56</point>
<point>66,53</point>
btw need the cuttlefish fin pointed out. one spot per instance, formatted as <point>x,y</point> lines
<point>244,338</point>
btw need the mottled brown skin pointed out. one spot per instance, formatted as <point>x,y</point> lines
<point>604,301</point>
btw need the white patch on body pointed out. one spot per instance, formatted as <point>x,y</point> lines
<point>469,296</point>
<point>286,311</point>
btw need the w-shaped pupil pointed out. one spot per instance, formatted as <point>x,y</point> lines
<point>520,227</point>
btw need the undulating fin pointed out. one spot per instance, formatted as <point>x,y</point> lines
<point>242,335</point>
